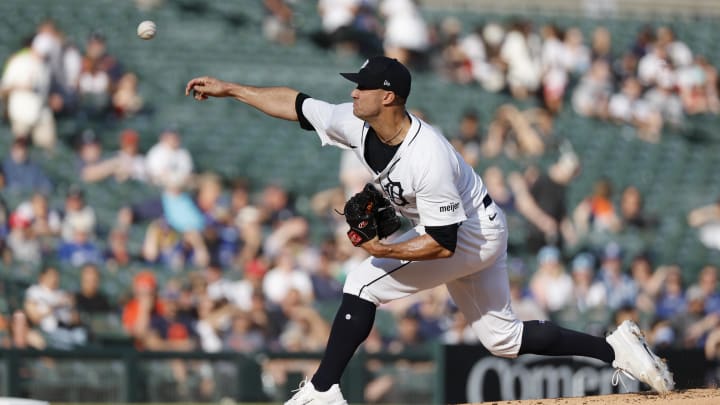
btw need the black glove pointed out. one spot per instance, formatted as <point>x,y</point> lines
<point>386,219</point>
<point>359,215</point>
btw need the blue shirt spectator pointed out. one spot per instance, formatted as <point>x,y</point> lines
<point>22,174</point>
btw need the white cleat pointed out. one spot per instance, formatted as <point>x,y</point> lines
<point>634,358</point>
<point>306,394</point>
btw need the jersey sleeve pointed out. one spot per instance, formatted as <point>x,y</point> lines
<point>332,122</point>
<point>438,200</point>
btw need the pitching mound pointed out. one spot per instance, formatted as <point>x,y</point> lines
<point>708,396</point>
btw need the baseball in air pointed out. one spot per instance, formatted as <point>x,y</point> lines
<point>146,29</point>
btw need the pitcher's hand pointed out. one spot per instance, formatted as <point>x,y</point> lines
<point>205,86</point>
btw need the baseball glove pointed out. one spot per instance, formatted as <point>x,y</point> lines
<point>369,214</point>
<point>385,217</point>
<point>358,213</point>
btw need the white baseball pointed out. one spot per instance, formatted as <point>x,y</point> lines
<point>146,29</point>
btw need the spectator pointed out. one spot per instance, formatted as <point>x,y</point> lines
<point>588,294</point>
<point>707,283</point>
<point>526,133</point>
<point>25,87</point>
<point>697,85</point>
<point>678,53</point>
<point>541,200</point>
<point>284,277</point>
<point>126,164</point>
<point>663,97</point>
<point>627,107</point>
<point>77,215</point>
<point>89,299</point>
<point>625,67</point>
<point>577,55</point>
<point>143,309</point>
<point>325,283</point>
<point>166,246</point>
<point>45,220</point>
<point>408,337</point>
<point>649,282</point>
<point>707,220</point>
<point>406,33</point>
<point>592,94</point>
<point>169,165</point>
<point>221,235</point>
<point>23,244</point>
<point>117,252</point>
<point>596,213</point>
<point>632,210</point>
<point>96,53</point>
<point>127,101</point>
<point>554,70</point>
<point>21,173</point>
<point>80,249</point>
<point>692,324</point>
<point>671,300</point>
<point>52,310</point>
<point>551,286</point>
<point>468,140</point>
<point>459,330</point>
<point>601,47</point>
<point>243,336</point>
<point>342,29</point>
<point>521,300</point>
<point>652,65</point>
<point>23,335</point>
<point>621,289</point>
<point>90,155</point>
<point>278,24</point>
<point>521,54</point>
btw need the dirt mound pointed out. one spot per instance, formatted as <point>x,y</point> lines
<point>706,396</point>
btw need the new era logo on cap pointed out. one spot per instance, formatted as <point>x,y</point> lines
<point>381,72</point>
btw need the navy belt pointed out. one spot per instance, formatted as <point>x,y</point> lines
<point>487,200</point>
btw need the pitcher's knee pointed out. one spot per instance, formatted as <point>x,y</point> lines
<point>502,342</point>
<point>503,349</point>
<point>358,286</point>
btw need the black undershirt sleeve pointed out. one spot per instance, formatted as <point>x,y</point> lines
<point>445,236</point>
<point>304,123</point>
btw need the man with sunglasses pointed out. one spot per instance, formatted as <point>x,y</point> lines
<point>459,236</point>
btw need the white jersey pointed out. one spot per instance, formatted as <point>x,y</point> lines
<point>427,180</point>
<point>429,183</point>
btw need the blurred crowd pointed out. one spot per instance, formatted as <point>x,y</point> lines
<point>224,264</point>
<point>652,82</point>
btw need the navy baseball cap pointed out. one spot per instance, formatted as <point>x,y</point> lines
<point>381,72</point>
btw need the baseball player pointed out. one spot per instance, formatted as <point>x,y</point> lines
<point>459,236</point>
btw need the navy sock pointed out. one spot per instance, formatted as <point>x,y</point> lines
<point>546,338</point>
<point>352,325</point>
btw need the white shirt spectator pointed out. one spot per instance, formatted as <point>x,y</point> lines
<point>55,302</point>
<point>679,53</point>
<point>405,27</point>
<point>337,13</point>
<point>623,108</point>
<point>278,282</point>
<point>651,66</point>
<point>27,80</point>
<point>523,66</point>
<point>97,83</point>
<point>168,164</point>
<point>238,293</point>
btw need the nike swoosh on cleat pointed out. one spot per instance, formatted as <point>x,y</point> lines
<point>491,217</point>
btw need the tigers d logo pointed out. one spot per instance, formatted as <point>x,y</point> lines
<point>394,191</point>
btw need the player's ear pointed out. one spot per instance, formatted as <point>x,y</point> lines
<point>389,98</point>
